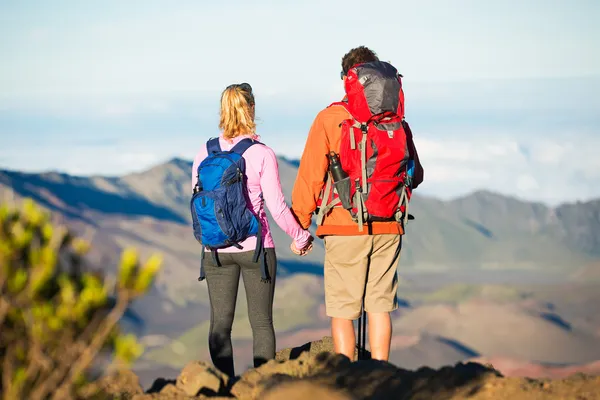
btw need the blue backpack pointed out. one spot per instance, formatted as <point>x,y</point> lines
<point>221,216</point>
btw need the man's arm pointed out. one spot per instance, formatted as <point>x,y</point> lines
<point>311,173</point>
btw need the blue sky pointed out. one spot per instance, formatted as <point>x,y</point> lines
<point>500,95</point>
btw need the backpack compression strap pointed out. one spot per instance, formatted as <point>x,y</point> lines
<point>326,206</point>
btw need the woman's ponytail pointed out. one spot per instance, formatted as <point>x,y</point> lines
<point>237,111</point>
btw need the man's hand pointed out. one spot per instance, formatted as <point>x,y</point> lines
<point>304,251</point>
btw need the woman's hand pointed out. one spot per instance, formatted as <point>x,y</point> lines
<point>305,250</point>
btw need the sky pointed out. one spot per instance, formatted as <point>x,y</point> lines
<point>500,96</point>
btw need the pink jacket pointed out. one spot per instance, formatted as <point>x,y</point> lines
<point>263,178</point>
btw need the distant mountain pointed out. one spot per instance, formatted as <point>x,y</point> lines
<point>488,230</point>
<point>481,230</point>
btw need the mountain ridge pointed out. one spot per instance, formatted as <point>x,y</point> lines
<point>186,164</point>
<point>483,229</point>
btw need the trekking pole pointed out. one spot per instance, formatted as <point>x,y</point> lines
<point>359,338</point>
<point>362,323</point>
<point>364,334</point>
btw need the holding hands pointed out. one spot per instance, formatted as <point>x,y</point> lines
<point>302,251</point>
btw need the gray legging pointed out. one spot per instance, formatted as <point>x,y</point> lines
<point>223,288</point>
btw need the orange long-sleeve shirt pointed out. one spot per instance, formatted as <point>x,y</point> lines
<point>324,136</point>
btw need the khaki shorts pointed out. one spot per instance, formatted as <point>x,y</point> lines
<point>347,260</point>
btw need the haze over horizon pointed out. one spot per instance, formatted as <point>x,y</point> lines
<point>500,96</point>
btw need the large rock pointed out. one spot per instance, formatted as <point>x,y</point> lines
<point>197,380</point>
<point>313,348</point>
<point>252,382</point>
<point>314,371</point>
<point>199,377</point>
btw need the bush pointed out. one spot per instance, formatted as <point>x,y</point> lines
<point>57,317</point>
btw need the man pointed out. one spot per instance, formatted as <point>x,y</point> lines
<point>360,261</point>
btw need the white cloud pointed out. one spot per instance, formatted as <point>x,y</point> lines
<point>468,149</point>
<point>556,170</point>
<point>551,153</point>
<point>78,159</point>
<point>458,172</point>
<point>527,183</point>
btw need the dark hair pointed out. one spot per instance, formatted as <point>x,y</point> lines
<point>357,55</point>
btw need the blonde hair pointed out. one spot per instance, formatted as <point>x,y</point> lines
<point>237,111</point>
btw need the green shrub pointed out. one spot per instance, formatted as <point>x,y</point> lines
<point>57,317</point>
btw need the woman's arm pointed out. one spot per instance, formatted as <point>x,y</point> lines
<point>275,200</point>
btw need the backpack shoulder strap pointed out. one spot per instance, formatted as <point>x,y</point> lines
<point>244,145</point>
<point>213,146</point>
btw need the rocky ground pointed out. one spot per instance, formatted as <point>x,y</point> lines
<point>314,371</point>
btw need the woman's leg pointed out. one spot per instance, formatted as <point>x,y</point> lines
<point>222,284</point>
<point>259,296</point>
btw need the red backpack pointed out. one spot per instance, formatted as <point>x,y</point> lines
<point>377,167</point>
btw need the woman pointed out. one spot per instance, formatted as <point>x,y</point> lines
<point>237,123</point>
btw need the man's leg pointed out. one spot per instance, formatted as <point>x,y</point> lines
<point>381,295</point>
<point>346,260</point>
<point>344,338</point>
<point>380,335</point>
